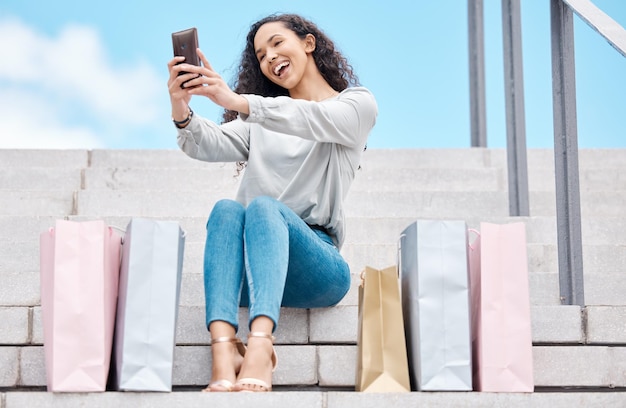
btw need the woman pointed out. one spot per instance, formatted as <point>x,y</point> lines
<point>301,130</point>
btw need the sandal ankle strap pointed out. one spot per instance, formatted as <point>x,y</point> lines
<point>225,340</point>
<point>263,335</point>
<point>271,338</point>
<point>241,348</point>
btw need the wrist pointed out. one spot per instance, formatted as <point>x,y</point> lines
<point>242,106</point>
<point>180,124</point>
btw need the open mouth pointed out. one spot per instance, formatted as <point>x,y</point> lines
<point>280,68</point>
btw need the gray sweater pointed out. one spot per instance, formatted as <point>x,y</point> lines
<point>303,153</point>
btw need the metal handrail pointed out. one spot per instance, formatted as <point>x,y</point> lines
<point>568,219</point>
<point>476,43</point>
<point>514,96</point>
<point>601,22</point>
<point>517,162</point>
<point>571,277</point>
<point>569,237</point>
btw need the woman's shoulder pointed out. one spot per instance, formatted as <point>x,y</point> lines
<point>361,96</point>
<point>356,90</point>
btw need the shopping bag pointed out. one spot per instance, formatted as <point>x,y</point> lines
<point>501,326</point>
<point>79,270</point>
<point>435,301</point>
<point>381,349</point>
<point>150,279</point>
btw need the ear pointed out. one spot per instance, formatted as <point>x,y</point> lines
<point>309,43</point>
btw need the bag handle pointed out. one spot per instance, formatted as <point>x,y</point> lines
<point>399,255</point>
<point>475,232</point>
<point>123,231</point>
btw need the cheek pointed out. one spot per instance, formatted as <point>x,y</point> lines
<point>264,69</point>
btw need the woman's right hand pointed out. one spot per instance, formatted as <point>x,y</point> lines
<point>179,97</point>
<point>200,80</point>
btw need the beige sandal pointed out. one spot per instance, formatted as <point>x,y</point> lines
<point>225,385</point>
<point>258,385</point>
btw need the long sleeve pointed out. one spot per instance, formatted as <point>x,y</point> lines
<point>205,140</point>
<point>343,121</point>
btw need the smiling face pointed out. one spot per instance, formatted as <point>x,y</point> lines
<point>284,58</point>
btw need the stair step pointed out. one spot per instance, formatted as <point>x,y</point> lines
<point>220,177</point>
<point>40,179</point>
<point>36,203</point>
<point>551,324</point>
<point>361,230</point>
<point>316,399</point>
<point>429,204</point>
<point>372,158</point>
<point>338,325</point>
<point>437,204</point>
<point>20,158</point>
<point>22,289</point>
<point>554,366</point>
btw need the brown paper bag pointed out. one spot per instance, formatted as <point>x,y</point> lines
<point>382,364</point>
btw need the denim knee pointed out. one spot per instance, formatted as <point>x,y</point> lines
<point>263,204</point>
<point>226,208</point>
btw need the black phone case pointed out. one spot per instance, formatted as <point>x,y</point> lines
<point>185,44</point>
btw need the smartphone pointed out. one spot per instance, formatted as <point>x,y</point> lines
<point>185,44</point>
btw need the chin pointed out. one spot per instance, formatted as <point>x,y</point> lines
<point>282,86</point>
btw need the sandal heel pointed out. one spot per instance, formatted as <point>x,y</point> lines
<point>259,385</point>
<point>226,385</point>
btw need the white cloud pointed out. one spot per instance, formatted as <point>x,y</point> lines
<point>28,122</point>
<point>57,73</point>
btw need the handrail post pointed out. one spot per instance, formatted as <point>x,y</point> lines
<point>566,155</point>
<point>515,115</point>
<point>478,121</point>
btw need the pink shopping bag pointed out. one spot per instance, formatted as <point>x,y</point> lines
<point>501,327</point>
<point>79,265</point>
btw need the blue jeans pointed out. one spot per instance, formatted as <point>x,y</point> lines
<point>265,256</point>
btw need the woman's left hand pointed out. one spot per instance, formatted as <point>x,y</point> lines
<point>211,85</point>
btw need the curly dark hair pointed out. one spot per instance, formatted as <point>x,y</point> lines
<point>333,66</point>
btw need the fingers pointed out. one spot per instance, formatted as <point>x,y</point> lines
<point>174,61</point>
<point>178,67</point>
<point>186,80</point>
<point>189,81</point>
<point>204,60</point>
<point>172,64</point>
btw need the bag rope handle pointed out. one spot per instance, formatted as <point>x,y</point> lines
<point>475,231</point>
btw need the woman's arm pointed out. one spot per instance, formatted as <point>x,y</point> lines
<point>346,119</point>
<point>204,140</point>
<point>198,137</point>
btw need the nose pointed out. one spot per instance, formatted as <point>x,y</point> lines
<point>271,56</point>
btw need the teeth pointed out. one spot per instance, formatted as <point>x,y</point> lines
<point>278,67</point>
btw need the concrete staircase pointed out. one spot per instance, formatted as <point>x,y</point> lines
<point>579,354</point>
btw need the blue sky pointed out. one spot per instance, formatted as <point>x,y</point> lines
<point>79,74</point>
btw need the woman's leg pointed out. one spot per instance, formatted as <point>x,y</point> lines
<point>287,263</point>
<point>258,362</point>
<point>223,280</point>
